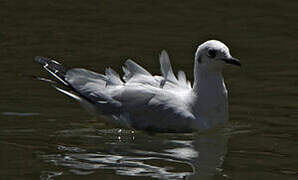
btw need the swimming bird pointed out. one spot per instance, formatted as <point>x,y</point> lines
<point>142,101</point>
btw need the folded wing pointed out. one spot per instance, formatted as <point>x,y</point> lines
<point>140,97</point>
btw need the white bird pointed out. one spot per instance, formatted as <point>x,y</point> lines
<point>155,103</point>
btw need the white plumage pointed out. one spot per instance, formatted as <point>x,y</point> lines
<point>157,103</point>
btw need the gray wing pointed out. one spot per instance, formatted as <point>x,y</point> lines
<point>138,103</point>
<point>140,99</point>
<point>151,108</point>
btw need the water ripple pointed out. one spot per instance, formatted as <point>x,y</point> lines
<point>19,114</point>
<point>164,157</point>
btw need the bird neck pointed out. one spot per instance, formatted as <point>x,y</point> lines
<point>207,79</point>
<point>210,103</point>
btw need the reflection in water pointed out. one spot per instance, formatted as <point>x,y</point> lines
<point>138,154</point>
<point>18,114</point>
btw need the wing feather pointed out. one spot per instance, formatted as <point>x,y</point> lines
<point>166,68</point>
<point>132,69</point>
<point>112,77</point>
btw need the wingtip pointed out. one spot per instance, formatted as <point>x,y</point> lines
<point>39,59</point>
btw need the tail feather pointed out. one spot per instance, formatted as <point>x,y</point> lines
<point>97,102</point>
<point>68,93</point>
<point>54,68</point>
<point>43,79</point>
<point>58,71</point>
<point>85,103</point>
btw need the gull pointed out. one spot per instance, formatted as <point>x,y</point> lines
<point>142,101</point>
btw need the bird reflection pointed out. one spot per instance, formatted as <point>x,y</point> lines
<point>138,154</point>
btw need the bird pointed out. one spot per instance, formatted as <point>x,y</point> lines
<point>156,103</point>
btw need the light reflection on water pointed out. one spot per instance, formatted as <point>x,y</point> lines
<point>165,156</point>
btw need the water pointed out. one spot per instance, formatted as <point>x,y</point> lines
<point>45,135</point>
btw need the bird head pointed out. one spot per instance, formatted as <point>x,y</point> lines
<point>213,55</point>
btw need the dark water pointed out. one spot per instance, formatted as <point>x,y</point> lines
<point>45,135</point>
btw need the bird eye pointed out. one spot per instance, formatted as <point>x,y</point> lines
<point>211,53</point>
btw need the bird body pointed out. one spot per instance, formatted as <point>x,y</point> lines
<point>156,103</point>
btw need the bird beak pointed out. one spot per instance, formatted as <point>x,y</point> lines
<point>232,60</point>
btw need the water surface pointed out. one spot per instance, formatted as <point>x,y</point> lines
<point>45,135</point>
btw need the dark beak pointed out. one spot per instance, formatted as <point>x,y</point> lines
<point>232,61</point>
